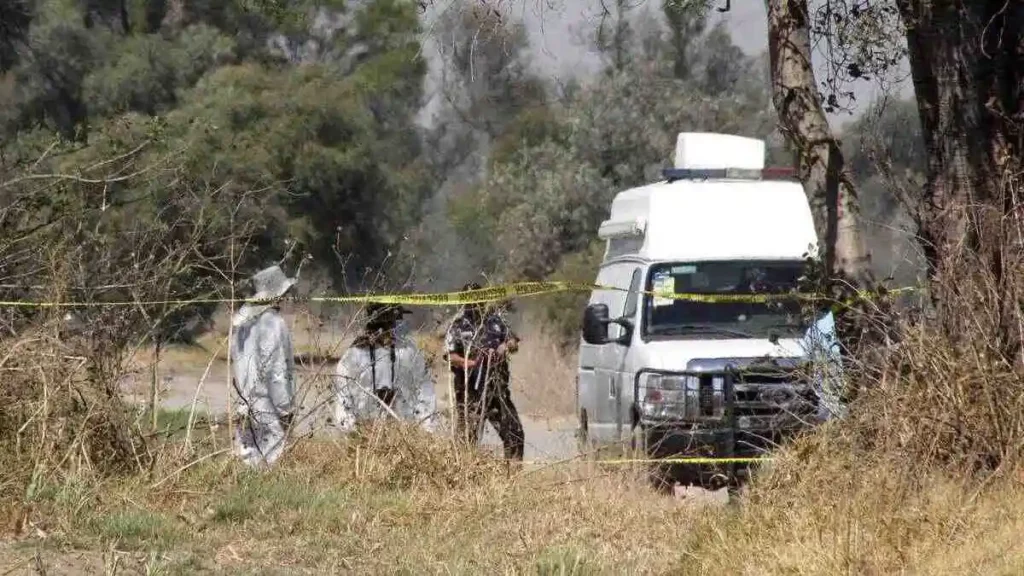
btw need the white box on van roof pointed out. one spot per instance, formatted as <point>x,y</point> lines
<point>710,151</point>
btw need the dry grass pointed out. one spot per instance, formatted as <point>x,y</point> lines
<point>390,501</point>
<point>833,513</point>
<point>543,375</point>
<point>395,501</point>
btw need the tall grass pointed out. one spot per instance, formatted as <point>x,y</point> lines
<point>392,500</point>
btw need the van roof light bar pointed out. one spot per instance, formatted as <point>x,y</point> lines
<point>774,173</point>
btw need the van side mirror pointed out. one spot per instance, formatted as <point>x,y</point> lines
<point>595,326</point>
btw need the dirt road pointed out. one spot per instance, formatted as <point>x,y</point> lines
<point>547,439</point>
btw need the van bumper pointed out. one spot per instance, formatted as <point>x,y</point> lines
<point>676,441</point>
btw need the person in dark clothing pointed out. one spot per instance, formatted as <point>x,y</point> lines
<point>478,344</point>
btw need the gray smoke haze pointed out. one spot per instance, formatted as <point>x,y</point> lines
<point>561,50</point>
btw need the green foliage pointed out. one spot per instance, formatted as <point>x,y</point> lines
<point>146,16</point>
<point>533,126</point>
<point>141,77</point>
<point>138,529</point>
<point>258,496</point>
<point>308,148</point>
<point>551,181</point>
<point>686,22</point>
<point>146,73</point>
<point>563,561</point>
<point>546,203</point>
<point>563,313</point>
<point>50,77</point>
<point>326,154</point>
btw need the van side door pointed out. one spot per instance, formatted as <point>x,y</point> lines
<point>597,365</point>
<point>626,357</point>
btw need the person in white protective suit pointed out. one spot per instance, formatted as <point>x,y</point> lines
<point>263,370</point>
<point>383,375</point>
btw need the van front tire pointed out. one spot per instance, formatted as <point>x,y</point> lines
<point>663,476</point>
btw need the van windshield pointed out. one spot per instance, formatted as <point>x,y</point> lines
<point>665,317</point>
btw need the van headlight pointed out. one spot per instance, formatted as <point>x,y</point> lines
<point>668,396</point>
<point>680,396</point>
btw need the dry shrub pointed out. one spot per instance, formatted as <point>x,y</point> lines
<point>946,401</point>
<point>543,372</point>
<point>89,240</point>
<point>56,421</point>
<point>920,476</point>
<point>938,380</point>
<point>945,388</point>
<point>826,509</point>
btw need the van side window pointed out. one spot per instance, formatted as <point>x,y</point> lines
<point>629,310</point>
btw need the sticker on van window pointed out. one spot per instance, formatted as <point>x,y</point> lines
<point>685,269</point>
<point>664,283</point>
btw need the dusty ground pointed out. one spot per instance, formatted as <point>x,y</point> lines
<point>547,436</point>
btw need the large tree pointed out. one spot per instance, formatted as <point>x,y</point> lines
<point>967,63</point>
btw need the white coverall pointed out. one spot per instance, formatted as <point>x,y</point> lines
<point>354,385</point>
<point>263,366</point>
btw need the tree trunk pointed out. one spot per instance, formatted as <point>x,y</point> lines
<point>126,22</point>
<point>967,63</point>
<point>832,194</point>
<point>686,23</point>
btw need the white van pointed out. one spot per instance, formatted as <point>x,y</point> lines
<point>704,378</point>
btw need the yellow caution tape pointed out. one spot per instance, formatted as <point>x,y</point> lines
<point>478,296</point>
<point>693,460</point>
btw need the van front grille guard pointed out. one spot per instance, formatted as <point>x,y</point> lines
<point>763,404</point>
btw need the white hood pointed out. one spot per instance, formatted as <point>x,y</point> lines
<point>673,355</point>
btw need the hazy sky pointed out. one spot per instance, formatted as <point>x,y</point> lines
<point>557,29</point>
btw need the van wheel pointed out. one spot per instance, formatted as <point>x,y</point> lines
<point>583,435</point>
